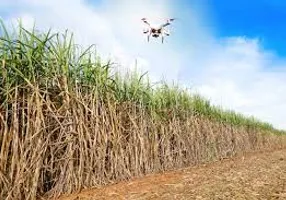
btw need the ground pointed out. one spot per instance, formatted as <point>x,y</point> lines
<point>252,176</point>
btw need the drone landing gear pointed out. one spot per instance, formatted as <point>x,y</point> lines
<point>162,40</point>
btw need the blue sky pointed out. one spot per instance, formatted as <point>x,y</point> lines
<point>258,18</point>
<point>231,52</point>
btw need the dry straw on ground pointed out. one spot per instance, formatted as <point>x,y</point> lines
<point>259,175</point>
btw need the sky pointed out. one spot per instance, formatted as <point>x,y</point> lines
<point>231,52</point>
<point>263,19</point>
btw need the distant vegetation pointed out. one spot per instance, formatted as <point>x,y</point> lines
<point>68,120</point>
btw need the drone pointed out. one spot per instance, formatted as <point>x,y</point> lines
<point>157,31</point>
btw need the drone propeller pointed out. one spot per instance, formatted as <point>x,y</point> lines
<point>145,21</point>
<point>145,31</point>
<point>172,19</point>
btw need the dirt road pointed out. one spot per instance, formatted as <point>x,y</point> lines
<point>253,176</point>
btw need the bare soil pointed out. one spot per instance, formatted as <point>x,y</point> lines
<point>252,176</point>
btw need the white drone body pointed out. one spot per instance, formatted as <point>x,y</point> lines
<point>157,31</point>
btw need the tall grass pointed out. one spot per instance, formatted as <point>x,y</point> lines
<point>70,121</point>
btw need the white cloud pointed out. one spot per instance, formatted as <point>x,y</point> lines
<point>241,76</point>
<point>235,72</point>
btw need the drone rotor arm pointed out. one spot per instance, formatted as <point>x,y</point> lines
<point>166,32</point>
<point>165,24</point>
<point>168,22</point>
